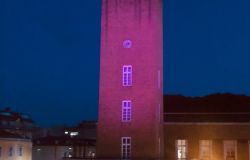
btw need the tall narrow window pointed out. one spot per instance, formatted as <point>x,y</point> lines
<point>159,79</point>
<point>126,147</point>
<point>181,149</point>
<point>205,149</point>
<point>20,151</point>
<point>127,75</point>
<point>10,151</point>
<point>126,111</point>
<point>230,150</point>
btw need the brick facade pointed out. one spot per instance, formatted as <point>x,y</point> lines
<point>140,24</point>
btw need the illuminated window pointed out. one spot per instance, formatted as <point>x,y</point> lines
<point>10,151</point>
<point>126,111</point>
<point>206,149</point>
<point>230,150</point>
<point>127,75</point>
<point>126,147</point>
<point>181,149</point>
<point>20,151</point>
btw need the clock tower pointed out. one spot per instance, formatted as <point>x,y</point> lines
<point>131,89</point>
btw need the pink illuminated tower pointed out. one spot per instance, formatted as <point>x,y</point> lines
<point>131,95</point>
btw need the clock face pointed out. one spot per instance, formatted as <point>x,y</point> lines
<point>127,43</point>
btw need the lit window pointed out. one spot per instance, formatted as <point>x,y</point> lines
<point>126,111</point>
<point>126,147</point>
<point>10,151</point>
<point>230,148</point>
<point>181,149</point>
<point>20,151</point>
<point>127,75</point>
<point>70,155</point>
<point>72,134</point>
<point>206,149</point>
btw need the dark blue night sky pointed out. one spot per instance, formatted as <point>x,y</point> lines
<point>49,54</point>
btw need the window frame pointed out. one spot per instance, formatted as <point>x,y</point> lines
<point>226,147</point>
<point>20,151</point>
<point>126,143</point>
<point>127,71</point>
<point>11,151</point>
<point>206,145</point>
<point>126,111</point>
<point>181,145</point>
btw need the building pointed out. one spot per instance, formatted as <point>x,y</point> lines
<point>214,127</point>
<point>16,123</point>
<point>61,142</point>
<point>14,146</point>
<point>84,130</point>
<point>59,147</point>
<point>130,100</point>
<point>130,125</point>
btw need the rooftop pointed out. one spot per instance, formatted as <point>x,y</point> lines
<point>7,134</point>
<point>9,115</point>
<point>211,108</point>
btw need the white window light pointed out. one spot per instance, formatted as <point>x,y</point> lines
<point>126,110</point>
<point>181,149</point>
<point>74,134</point>
<point>125,147</point>
<point>127,75</point>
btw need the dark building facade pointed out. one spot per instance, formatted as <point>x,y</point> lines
<point>16,123</point>
<point>64,142</point>
<point>63,147</point>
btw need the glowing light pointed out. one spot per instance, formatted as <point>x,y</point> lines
<point>74,133</point>
<point>93,155</point>
<point>66,132</point>
<point>179,154</point>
